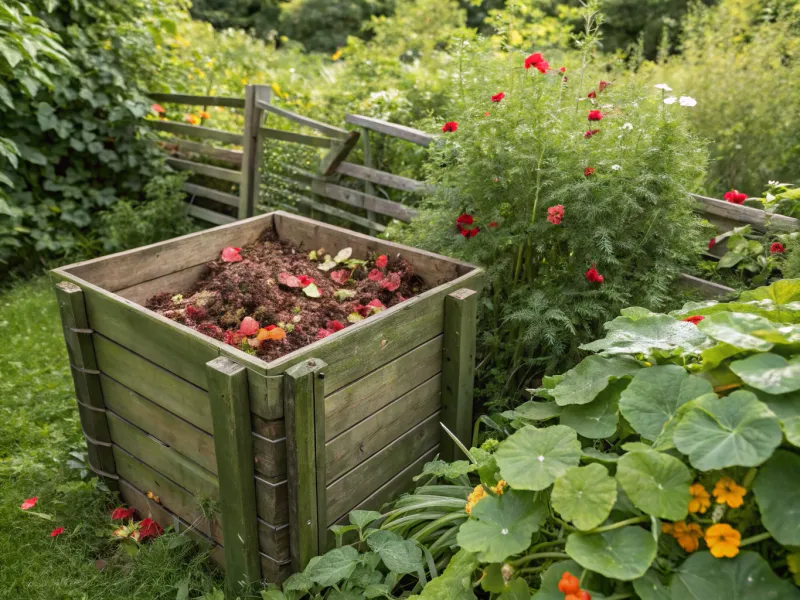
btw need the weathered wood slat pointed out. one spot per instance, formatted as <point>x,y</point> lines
<point>197,131</point>
<point>367,395</point>
<point>189,147</point>
<point>351,489</point>
<point>209,216</point>
<point>179,280</point>
<point>349,449</point>
<point>329,210</point>
<point>272,499</point>
<point>708,289</point>
<point>329,130</point>
<point>380,177</point>
<point>211,194</point>
<point>399,131</point>
<point>365,201</point>
<point>172,393</point>
<point>252,148</point>
<point>744,215</point>
<point>197,168</point>
<point>338,152</point>
<point>270,429</point>
<point>197,100</point>
<point>274,541</point>
<point>297,138</point>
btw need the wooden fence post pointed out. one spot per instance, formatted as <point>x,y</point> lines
<point>233,444</point>
<point>304,411</point>
<point>458,370</point>
<point>368,187</point>
<point>86,377</point>
<point>251,148</point>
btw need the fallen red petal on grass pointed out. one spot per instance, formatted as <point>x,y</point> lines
<point>341,276</point>
<point>498,97</point>
<point>381,261</point>
<point>29,503</point>
<point>231,254</point>
<point>249,326</point>
<point>57,532</point>
<point>122,513</point>
<point>149,529</point>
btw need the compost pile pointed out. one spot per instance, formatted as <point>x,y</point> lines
<point>270,298</point>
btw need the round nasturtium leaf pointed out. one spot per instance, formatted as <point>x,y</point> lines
<point>747,576</point>
<point>777,491</point>
<point>584,495</point>
<point>624,553</point>
<point>745,331</point>
<point>598,419</point>
<point>501,526</point>
<point>590,377</point>
<point>717,433</point>
<point>787,408</point>
<point>626,335</point>
<point>532,459</point>
<point>650,587</point>
<point>656,483</point>
<point>769,372</point>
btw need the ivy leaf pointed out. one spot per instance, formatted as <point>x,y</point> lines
<point>532,459</point>
<point>656,483</point>
<point>399,555</point>
<point>599,418</point>
<point>456,581</point>
<point>769,372</point>
<point>717,433</point>
<point>650,587</point>
<point>645,334</point>
<point>333,567</point>
<point>440,468</point>
<point>624,553</point>
<point>777,491</point>
<point>584,495</point>
<point>501,526</point>
<point>311,291</point>
<point>739,329</point>
<point>362,518</point>
<point>744,577</point>
<point>592,375</point>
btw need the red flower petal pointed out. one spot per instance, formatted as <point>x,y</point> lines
<point>711,243</point>
<point>381,261</point>
<point>493,224</point>
<point>592,94</point>
<point>588,171</point>
<point>591,132</point>
<point>377,303</point>
<point>57,532</point>
<point>195,313</point>
<point>602,85</point>
<point>157,108</point>
<point>29,503</point>
<point>248,326</point>
<point>391,283</point>
<point>375,275</point>
<point>595,115</point>
<point>341,276</point>
<point>334,326</point>
<point>563,69</point>
<point>695,319</point>
<point>735,197</point>
<point>149,529</point>
<point>322,333</point>
<point>233,338</point>
<point>304,280</point>
<point>289,280</point>
<point>533,60</point>
<point>270,327</point>
<point>121,513</point>
<point>465,219</point>
<point>450,126</point>
<point>498,97</point>
<point>777,248</point>
<point>231,254</point>
<point>593,276</point>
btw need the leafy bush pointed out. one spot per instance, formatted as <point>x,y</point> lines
<point>573,218</point>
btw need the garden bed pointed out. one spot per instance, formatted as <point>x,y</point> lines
<point>285,448</point>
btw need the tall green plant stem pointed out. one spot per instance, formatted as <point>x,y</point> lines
<point>529,557</point>
<point>755,539</point>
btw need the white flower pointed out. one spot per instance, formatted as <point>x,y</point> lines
<point>771,182</point>
<point>628,126</point>
<point>663,86</point>
<point>615,167</point>
<point>670,100</point>
<point>687,101</point>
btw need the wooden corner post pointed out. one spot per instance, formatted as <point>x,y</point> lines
<point>304,411</point>
<point>251,148</point>
<point>458,369</point>
<point>86,377</point>
<point>233,444</point>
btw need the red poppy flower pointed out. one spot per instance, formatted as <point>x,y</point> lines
<point>231,254</point>
<point>735,197</point>
<point>592,94</point>
<point>57,532</point>
<point>120,514</point>
<point>602,85</point>
<point>195,313</point>
<point>555,214</point>
<point>304,280</point>
<point>149,529</point>
<point>711,243</point>
<point>248,326</point>
<point>590,132</point>
<point>777,248</point>
<point>29,503</point>
<point>157,108</point>
<point>487,114</point>
<point>341,276</point>
<point>381,261</point>
<point>595,115</point>
<point>563,69</point>
<point>392,282</point>
<point>465,219</point>
<point>450,126</point>
<point>588,171</point>
<point>537,62</point>
<point>593,276</point>
<point>470,233</point>
<point>694,320</point>
<point>493,224</point>
<point>375,275</point>
<point>498,97</point>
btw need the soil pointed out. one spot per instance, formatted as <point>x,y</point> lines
<point>249,287</point>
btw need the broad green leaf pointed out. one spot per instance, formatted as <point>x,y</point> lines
<point>265,595</point>
<point>183,590</point>
<point>787,408</point>
<point>738,329</point>
<point>492,579</point>
<point>650,587</point>
<point>783,291</point>
<point>777,491</point>
<point>714,356</point>
<point>592,375</point>
<point>399,555</point>
<point>311,290</point>
<point>599,418</point>
<point>645,334</point>
<point>551,577</point>
<point>456,581</point>
<point>501,526</point>
<point>769,372</point>
<point>590,453</point>
<point>584,495</point>
<point>656,483</point>
<point>532,459</point>
<point>333,567</point>
<point>517,590</point>
<point>717,433</point>
<point>440,468</point>
<point>533,411</point>
<point>298,582</point>
<point>362,518</point>
<point>377,590</point>
<point>335,594</point>
<point>655,394</point>
<point>624,553</point>
<point>747,576</point>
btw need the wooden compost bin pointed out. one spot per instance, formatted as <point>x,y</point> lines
<point>284,449</point>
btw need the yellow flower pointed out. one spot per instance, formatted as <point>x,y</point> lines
<point>728,492</point>
<point>723,540</point>
<point>700,499</point>
<point>688,536</point>
<point>337,55</point>
<point>153,497</point>
<point>477,494</point>
<point>667,528</point>
<point>500,487</point>
<point>192,119</point>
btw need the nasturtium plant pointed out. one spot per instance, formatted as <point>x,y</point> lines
<point>769,372</point>
<point>599,418</point>
<point>532,459</point>
<point>624,553</point>
<point>656,483</point>
<point>777,490</point>
<point>627,335</point>
<point>582,384</point>
<point>584,495</point>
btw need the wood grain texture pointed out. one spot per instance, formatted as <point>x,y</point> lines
<point>458,369</point>
<point>179,280</point>
<point>329,130</point>
<point>365,396</point>
<point>269,456</point>
<point>272,430</point>
<point>351,489</point>
<point>189,147</point>
<point>272,498</point>
<point>251,142</point>
<point>380,177</point>
<point>364,201</point>
<point>221,173</point>
<point>205,192</point>
<point>298,138</point>
<point>352,447</point>
<point>197,131</point>
<point>233,443</point>
<point>338,152</point>
<point>409,134</point>
<point>744,215</point>
<point>274,541</point>
<point>209,216</point>
<point>226,101</point>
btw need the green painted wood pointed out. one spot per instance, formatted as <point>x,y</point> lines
<point>209,216</point>
<point>305,420</point>
<point>221,173</point>
<point>272,498</point>
<point>367,202</point>
<point>329,130</point>
<point>272,430</point>
<point>349,449</point>
<point>158,385</point>
<point>297,138</point>
<point>458,369</point>
<point>197,100</point>
<point>269,455</point>
<point>171,464</point>
<point>350,490</point>
<point>233,441</point>
<point>251,139</point>
<point>197,131</point>
<point>180,435</point>
<point>91,405</point>
<point>370,393</point>
<point>273,571</point>
<point>338,152</point>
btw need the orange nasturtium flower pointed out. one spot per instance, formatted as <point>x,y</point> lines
<point>205,115</point>
<point>500,487</point>
<point>475,496</point>
<point>700,501</point>
<point>192,119</point>
<point>723,540</point>
<point>275,333</point>
<point>728,492</point>
<point>688,535</point>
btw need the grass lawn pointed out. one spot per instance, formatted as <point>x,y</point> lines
<point>39,427</point>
